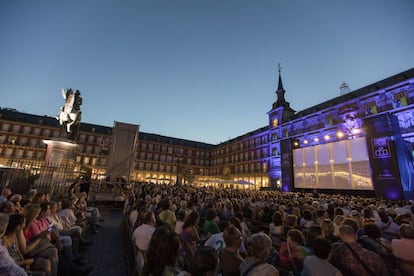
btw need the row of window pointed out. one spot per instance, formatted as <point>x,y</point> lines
<point>242,157</point>
<point>48,133</point>
<point>172,150</point>
<point>240,146</point>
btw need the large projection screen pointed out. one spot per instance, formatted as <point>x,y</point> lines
<point>340,165</point>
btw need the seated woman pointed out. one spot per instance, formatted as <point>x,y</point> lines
<point>329,230</point>
<point>206,262</point>
<point>163,253</point>
<point>293,252</point>
<point>16,199</point>
<point>259,250</point>
<point>189,238</point>
<point>63,243</point>
<point>210,227</point>
<point>37,265</point>
<point>75,232</point>
<point>67,213</point>
<point>33,246</point>
<point>276,229</point>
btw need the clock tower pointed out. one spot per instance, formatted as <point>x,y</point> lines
<point>280,113</point>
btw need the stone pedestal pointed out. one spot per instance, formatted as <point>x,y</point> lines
<point>58,171</point>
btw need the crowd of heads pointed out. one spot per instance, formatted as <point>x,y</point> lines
<point>262,223</point>
<point>43,236</point>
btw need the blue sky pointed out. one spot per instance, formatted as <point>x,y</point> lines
<point>199,70</point>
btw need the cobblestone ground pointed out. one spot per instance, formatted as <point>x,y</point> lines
<point>106,254</point>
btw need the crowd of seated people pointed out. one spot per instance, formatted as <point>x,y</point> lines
<point>44,236</point>
<point>266,232</point>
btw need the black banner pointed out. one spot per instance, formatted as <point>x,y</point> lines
<point>381,132</point>
<point>287,165</point>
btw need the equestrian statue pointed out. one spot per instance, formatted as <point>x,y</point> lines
<point>70,114</point>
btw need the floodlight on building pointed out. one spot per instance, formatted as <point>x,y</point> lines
<point>305,142</point>
<point>340,134</point>
<point>327,137</point>
<point>316,139</point>
<point>356,131</point>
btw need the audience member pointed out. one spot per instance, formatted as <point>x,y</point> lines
<point>403,249</point>
<point>166,216</point>
<point>5,195</point>
<point>8,266</point>
<point>352,259</point>
<point>142,236</point>
<point>318,264</point>
<point>293,252</point>
<point>36,266</point>
<point>259,250</point>
<point>206,262</point>
<point>210,226</point>
<point>163,253</point>
<point>230,258</point>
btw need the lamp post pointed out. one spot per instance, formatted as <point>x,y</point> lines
<point>178,179</point>
<point>178,159</point>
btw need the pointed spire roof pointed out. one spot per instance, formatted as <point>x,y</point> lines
<point>280,92</point>
<point>280,85</point>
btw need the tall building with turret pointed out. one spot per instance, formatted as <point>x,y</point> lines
<point>361,140</point>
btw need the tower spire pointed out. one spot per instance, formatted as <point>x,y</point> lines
<point>280,85</point>
<point>280,92</point>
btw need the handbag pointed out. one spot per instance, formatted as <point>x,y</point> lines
<point>295,271</point>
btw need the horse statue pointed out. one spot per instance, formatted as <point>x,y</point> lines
<point>69,114</point>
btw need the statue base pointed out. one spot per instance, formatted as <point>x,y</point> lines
<point>58,171</point>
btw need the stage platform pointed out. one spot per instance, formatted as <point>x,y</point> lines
<point>105,198</point>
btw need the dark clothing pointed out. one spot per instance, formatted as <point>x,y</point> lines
<point>230,262</point>
<point>348,264</point>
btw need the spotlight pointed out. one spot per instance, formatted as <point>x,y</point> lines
<point>355,131</point>
<point>305,142</point>
<point>327,137</point>
<point>340,134</point>
<point>316,139</point>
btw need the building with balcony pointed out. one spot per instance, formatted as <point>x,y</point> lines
<point>342,143</point>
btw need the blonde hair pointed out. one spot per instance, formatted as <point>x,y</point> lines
<point>260,245</point>
<point>30,212</point>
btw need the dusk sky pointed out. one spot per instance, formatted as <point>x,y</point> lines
<point>198,70</point>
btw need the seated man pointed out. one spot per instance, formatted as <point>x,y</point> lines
<point>352,259</point>
<point>230,259</point>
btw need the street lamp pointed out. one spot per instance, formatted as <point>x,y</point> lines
<point>178,161</point>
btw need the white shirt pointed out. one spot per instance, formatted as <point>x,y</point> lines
<point>217,242</point>
<point>142,236</point>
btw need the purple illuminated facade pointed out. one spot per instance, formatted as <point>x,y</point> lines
<point>382,114</point>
